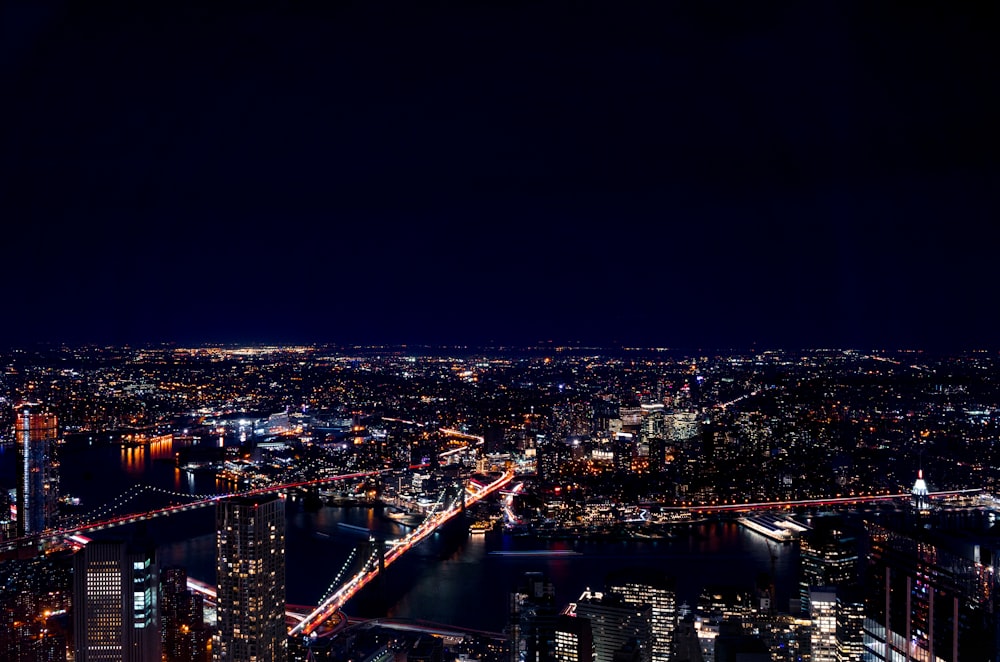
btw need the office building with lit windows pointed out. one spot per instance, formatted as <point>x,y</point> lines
<point>645,586</point>
<point>828,556</point>
<point>823,613</point>
<point>250,576</point>
<point>38,469</point>
<point>116,603</point>
<point>573,639</point>
<point>850,619</point>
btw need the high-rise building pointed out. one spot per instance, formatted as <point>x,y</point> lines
<point>573,418</point>
<point>931,595</point>
<point>829,557</point>
<point>823,612</point>
<point>602,411</point>
<point>658,454</point>
<point>623,452</point>
<point>185,637</point>
<point>616,625</point>
<point>645,586</point>
<point>115,603</point>
<point>574,640</point>
<point>850,618</point>
<point>8,513</point>
<point>921,495</point>
<point>38,469</point>
<point>532,619</point>
<point>250,574</point>
<point>653,421</point>
<point>718,603</point>
<point>551,458</point>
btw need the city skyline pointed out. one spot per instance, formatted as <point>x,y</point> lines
<point>668,175</point>
<point>673,508</point>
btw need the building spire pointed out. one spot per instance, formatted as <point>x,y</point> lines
<point>921,499</point>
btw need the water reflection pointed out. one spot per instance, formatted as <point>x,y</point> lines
<point>450,578</point>
<point>133,460</point>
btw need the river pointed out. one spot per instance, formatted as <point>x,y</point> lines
<point>449,578</point>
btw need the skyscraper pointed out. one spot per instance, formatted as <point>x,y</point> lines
<point>250,573</point>
<point>115,603</point>
<point>573,640</point>
<point>616,625</point>
<point>850,618</point>
<point>182,614</point>
<point>931,595</point>
<point>38,476</point>
<point>823,612</point>
<point>532,619</point>
<point>921,498</point>
<point>829,557</point>
<point>645,586</point>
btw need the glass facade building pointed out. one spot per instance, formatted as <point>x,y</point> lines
<point>38,469</point>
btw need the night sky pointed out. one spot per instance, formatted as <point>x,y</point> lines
<point>687,175</point>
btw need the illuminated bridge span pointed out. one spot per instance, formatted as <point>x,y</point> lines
<point>332,604</point>
<point>170,510</point>
<point>807,503</point>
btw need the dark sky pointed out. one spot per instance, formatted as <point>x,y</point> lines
<point>673,174</point>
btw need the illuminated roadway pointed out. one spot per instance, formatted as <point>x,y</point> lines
<point>333,604</point>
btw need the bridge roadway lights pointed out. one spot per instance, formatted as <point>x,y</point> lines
<point>314,619</point>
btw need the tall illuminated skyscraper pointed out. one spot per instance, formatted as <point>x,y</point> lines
<point>115,603</point>
<point>850,620</point>
<point>38,469</point>
<point>829,557</point>
<point>250,567</point>
<point>823,612</point>
<point>645,586</point>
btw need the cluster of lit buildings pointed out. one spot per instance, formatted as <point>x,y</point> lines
<point>903,590</point>
<point>601,441</point>
<point>125,608</point>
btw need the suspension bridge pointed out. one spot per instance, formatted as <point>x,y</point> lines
<point>372,558</point>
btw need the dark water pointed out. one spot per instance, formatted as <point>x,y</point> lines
<point>449,578</point>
